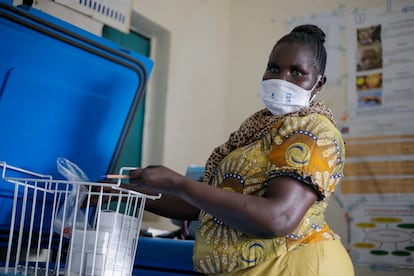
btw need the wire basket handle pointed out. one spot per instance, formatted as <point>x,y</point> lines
<point>6,168</point>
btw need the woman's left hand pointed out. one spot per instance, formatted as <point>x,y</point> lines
<point>157,179</point>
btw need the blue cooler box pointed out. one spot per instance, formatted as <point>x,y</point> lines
<point>67,93</point>
<point>63,93</point>
<point>169,257</point>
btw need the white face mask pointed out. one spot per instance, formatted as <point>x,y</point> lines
<point>282,97</point>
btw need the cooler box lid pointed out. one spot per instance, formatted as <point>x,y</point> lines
<point>64,92</point>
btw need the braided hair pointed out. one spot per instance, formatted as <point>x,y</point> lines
<point>314,38</point>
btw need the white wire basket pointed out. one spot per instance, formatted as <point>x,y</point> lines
<point>61,227</point>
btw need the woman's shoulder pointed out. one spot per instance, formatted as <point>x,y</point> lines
<point>314,124</point>
<point>307,120</point>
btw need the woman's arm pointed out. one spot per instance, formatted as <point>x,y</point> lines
<point>276,214</point>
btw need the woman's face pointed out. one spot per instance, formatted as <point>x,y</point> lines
<point>292,62</point>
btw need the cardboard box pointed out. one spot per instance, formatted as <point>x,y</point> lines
<point>117,221</point>
<point>77,265</point>
<point>89,239</point>
<point>108,250</point>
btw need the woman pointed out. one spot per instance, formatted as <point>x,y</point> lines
<point>260,206</point>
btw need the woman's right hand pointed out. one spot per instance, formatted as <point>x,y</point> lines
<point>157,179</point>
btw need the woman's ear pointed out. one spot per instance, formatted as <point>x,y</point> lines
<point>318,88</point>
<point>322,82</point>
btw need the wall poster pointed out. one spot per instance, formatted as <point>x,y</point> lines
<point>378,188</point>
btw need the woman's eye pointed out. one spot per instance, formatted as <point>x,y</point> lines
<point>273,69</point>
<point>297,73</point>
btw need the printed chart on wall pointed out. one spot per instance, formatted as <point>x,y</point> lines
<point>378,187</point>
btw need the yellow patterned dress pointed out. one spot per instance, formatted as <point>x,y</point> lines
<point>308,148</point>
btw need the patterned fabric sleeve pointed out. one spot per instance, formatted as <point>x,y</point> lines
<point>310,149</point>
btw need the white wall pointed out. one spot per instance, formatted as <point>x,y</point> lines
<point>197,78</point>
